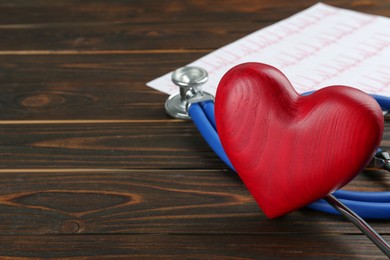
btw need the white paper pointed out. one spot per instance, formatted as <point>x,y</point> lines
<point>318,47</point>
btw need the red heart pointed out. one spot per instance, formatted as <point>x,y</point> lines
<point>291,150</point>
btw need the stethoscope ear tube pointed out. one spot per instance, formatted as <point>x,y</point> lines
<point>383,101</point>
<point>369,205</point>
<point>367,210</point>
<point>199,116</point>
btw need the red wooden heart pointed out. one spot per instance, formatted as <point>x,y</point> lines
<point>291,150</point>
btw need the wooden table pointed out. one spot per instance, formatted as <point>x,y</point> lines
<point>92,166</point>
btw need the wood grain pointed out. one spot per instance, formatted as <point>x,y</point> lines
<point>152,246</point>
<point>153,145</point>
<point>138,25</point>
<point>135,144</point>
<point>121,201</point>
<point>131,68</point>
<point>62,100</point>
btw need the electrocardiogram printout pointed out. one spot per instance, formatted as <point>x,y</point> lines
<point>318,47</point>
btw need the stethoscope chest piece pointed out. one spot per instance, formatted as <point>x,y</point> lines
<point>189,79</point>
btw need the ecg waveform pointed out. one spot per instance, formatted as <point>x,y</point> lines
<point>318,47</point>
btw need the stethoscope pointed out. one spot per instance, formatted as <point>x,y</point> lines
<point>192,103</point>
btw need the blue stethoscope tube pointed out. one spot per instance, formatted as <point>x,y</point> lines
<point>369,205</point>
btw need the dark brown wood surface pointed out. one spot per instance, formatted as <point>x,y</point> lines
<point>90,165</point>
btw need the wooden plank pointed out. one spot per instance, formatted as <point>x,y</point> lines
<point>151,246</point>
<point>60,12</point>
<point>151,145</point>
<point>130,68</point>
<point>138,144</point>
<point>94,37</point>
<point>106,101</point>
<point>98,201</point>
<point>102,25</point>
<point>75,87</point>
<point>136,25</point>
